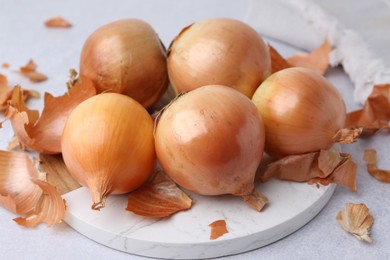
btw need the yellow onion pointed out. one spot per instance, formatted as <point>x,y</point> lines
<point>302,111</point>
<point>218,51</point>
<point>211,141</point>
<point>108,145</point>
<point>126,56</point>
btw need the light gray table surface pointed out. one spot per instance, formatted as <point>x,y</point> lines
<point>23,36</point>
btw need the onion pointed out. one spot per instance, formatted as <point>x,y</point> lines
<point>211,141</point>
<point>108,145</point>
<point>218,51</point>
<point>127,57</point>
<point>302,111</point>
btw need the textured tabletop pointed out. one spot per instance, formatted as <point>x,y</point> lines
<point>23,36</point>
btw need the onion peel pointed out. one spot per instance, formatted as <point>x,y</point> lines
<point>344,173</point>
<point>324,167</point>
<point>57,22</point>
<point>22,119</point>
<point>13,144</point>
<point>49,209</point>
<point>6,93</point>
<point>74,79</point>
<point>370,157</point>
<point>3,82</point>
<point>218,229</point>
<point>43,134</point>
<point>375,114</point>
<point>8,202</point>
<point>293,167</point>
<point>317,60</point>
<point>30,71</point>
<point>159,197</point>
<point>24,191</point>
<point>17,193</point>
<point>356,219</point>
<point>277,61</point>
<point>347,135</point>
<point>255,200</point>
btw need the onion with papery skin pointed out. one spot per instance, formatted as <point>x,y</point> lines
<point>220,51</point>
<point>301,110</point>
<point>210,141</point>
<point>108,145</point>
<point>127,57</point>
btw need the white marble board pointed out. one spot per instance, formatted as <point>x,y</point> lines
<point>186,235</point>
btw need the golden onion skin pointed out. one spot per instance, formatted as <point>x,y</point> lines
<point>127,57</point>
<point>301,111</point>
<point>218,51</point>
<point>211,141</point>
<point>108,145</point>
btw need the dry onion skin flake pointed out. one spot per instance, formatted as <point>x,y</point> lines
<point>20,116</point>
<point>370,157</point>
<point>30,71</point>
<point>277,61</point>
<point>255,200</point>
<point>3,82</point>
<point>127,57</point>
<point>356,219</point>
<point>323,167</point>
<point>210,141</point>
<point>302,112</point>
<point>159,197</point>
<point>375,114</point>
<point>217,229</point>
<point>6,93</point>
<point>24,191</point>
<point>219,51</point>
<point>17,193</point>
<point>317,60</point>
<point>49,209</point>
<point>108,145</point>
<point>43,133</point>
<point>57,22</point>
